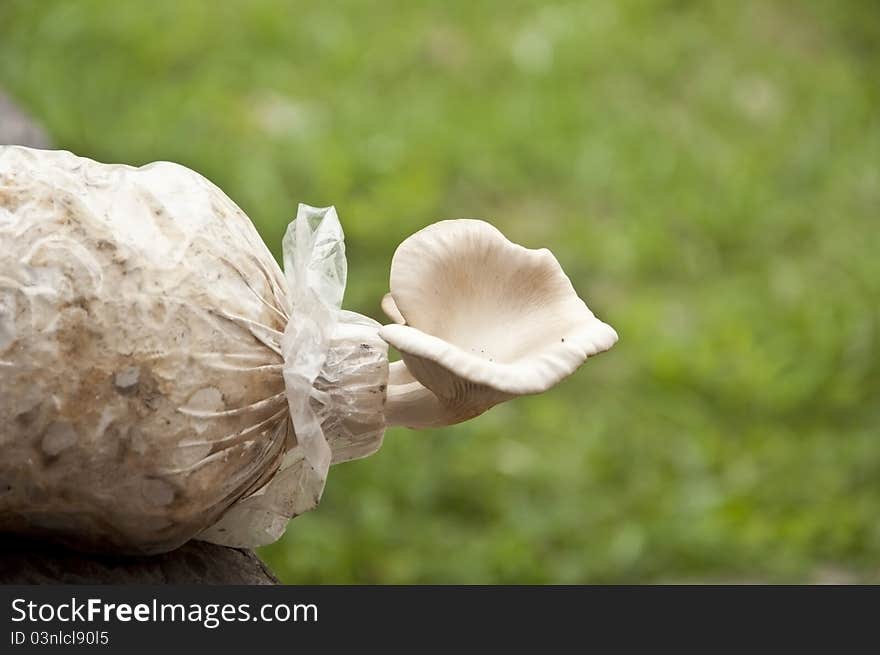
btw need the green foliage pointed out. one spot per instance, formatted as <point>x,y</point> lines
<point>707,172</point>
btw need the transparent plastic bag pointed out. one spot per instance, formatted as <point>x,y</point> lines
<point>160,378</point>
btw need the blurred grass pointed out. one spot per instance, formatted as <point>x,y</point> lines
<point>707,172</point>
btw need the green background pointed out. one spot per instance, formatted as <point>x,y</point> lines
<point>708,173</point>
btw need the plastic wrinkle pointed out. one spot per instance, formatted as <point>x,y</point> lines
<point>315,268</point>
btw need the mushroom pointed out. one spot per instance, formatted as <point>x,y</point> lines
<point>479,320</point>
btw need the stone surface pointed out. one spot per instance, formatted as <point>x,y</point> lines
<point>24,561</point>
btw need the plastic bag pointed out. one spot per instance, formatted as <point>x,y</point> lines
<point>160,378</point>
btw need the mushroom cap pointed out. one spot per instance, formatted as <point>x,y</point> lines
<point>482,311</point>
<point>390,309</point>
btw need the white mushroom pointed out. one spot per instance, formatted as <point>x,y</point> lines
<point>479,320</point>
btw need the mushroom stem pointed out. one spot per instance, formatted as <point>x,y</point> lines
<point>411,405</point>
<point>399,374</point>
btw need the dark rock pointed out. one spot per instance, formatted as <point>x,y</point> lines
<point>24,561</point>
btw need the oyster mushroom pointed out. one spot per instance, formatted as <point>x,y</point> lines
<point>479,320</point>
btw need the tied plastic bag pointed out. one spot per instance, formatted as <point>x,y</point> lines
<point>160,378</point>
